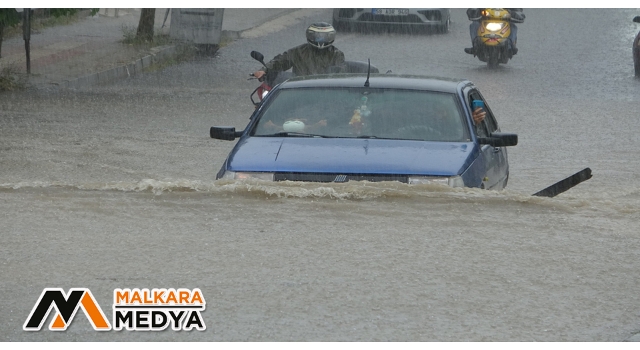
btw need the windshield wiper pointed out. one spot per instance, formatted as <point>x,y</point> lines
<point>374,137</point>
<point>292,133</point>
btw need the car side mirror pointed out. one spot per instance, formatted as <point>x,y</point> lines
<point>499,139</point>
<point>228,133</point>
<point>636,19</point>
<point>257,56</point>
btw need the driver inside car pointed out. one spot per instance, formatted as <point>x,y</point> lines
<point>445,121</point>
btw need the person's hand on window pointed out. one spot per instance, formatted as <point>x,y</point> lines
<point>478,115</point>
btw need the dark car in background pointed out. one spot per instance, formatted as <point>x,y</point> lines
<point>374,19</point>
<point>636,50</point>
<point>352,127</point>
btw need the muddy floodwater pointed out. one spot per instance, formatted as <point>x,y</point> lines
<point>114,187</point>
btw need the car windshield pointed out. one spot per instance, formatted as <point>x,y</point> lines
<point>364,113</point>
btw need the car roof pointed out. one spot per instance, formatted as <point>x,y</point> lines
<point>389,81</point>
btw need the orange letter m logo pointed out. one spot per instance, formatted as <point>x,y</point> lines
<point>66,308</point>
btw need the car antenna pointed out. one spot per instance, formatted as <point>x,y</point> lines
<point>366,83</point>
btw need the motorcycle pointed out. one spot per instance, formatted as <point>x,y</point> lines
<point>492,44</point>
<point>636,50</point>
<point>268,81</point>
<point>271,79</point>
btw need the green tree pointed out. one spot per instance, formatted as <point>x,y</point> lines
<point>62,12</point>
<point>8,18</point>
<point>145,26</point>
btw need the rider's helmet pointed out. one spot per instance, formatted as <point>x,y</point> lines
<point>321,35</point>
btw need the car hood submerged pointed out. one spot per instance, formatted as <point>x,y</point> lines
<point>351,156</point>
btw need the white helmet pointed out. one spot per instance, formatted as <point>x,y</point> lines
<point>321,35</point>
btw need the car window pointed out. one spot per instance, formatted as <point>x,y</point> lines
<point>490,120</point>
<point>364,112</point>
<point>482,129</point>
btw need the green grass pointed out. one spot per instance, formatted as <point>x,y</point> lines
<point>130,38</point>
<point>10,80</point>
<point>38,24</point>
<point>224,41</point>
<point>185,53</point>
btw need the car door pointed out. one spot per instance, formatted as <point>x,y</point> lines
<point>497,168</point>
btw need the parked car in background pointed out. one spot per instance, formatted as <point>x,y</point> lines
<point>352,127</point>
<point>347,19</point>
<point>636,50</point>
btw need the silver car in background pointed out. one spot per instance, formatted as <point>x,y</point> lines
<point>432,20</point>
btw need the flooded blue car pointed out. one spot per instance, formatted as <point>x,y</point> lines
<point>339,128</point>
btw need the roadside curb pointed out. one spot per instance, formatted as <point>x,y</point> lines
<point>157,55</point>
<point>230,35</point>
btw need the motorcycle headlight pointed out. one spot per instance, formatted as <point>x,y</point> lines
<point>453,181</point>
<point>494,27</point>
<point>264,94</point>
<point>233,175</point>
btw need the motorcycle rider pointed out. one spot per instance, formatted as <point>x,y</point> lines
<point>475,15</point>
<point>313,57</point>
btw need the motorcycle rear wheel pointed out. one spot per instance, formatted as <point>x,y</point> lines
<point>504,57</point>
<point>492,60</point>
